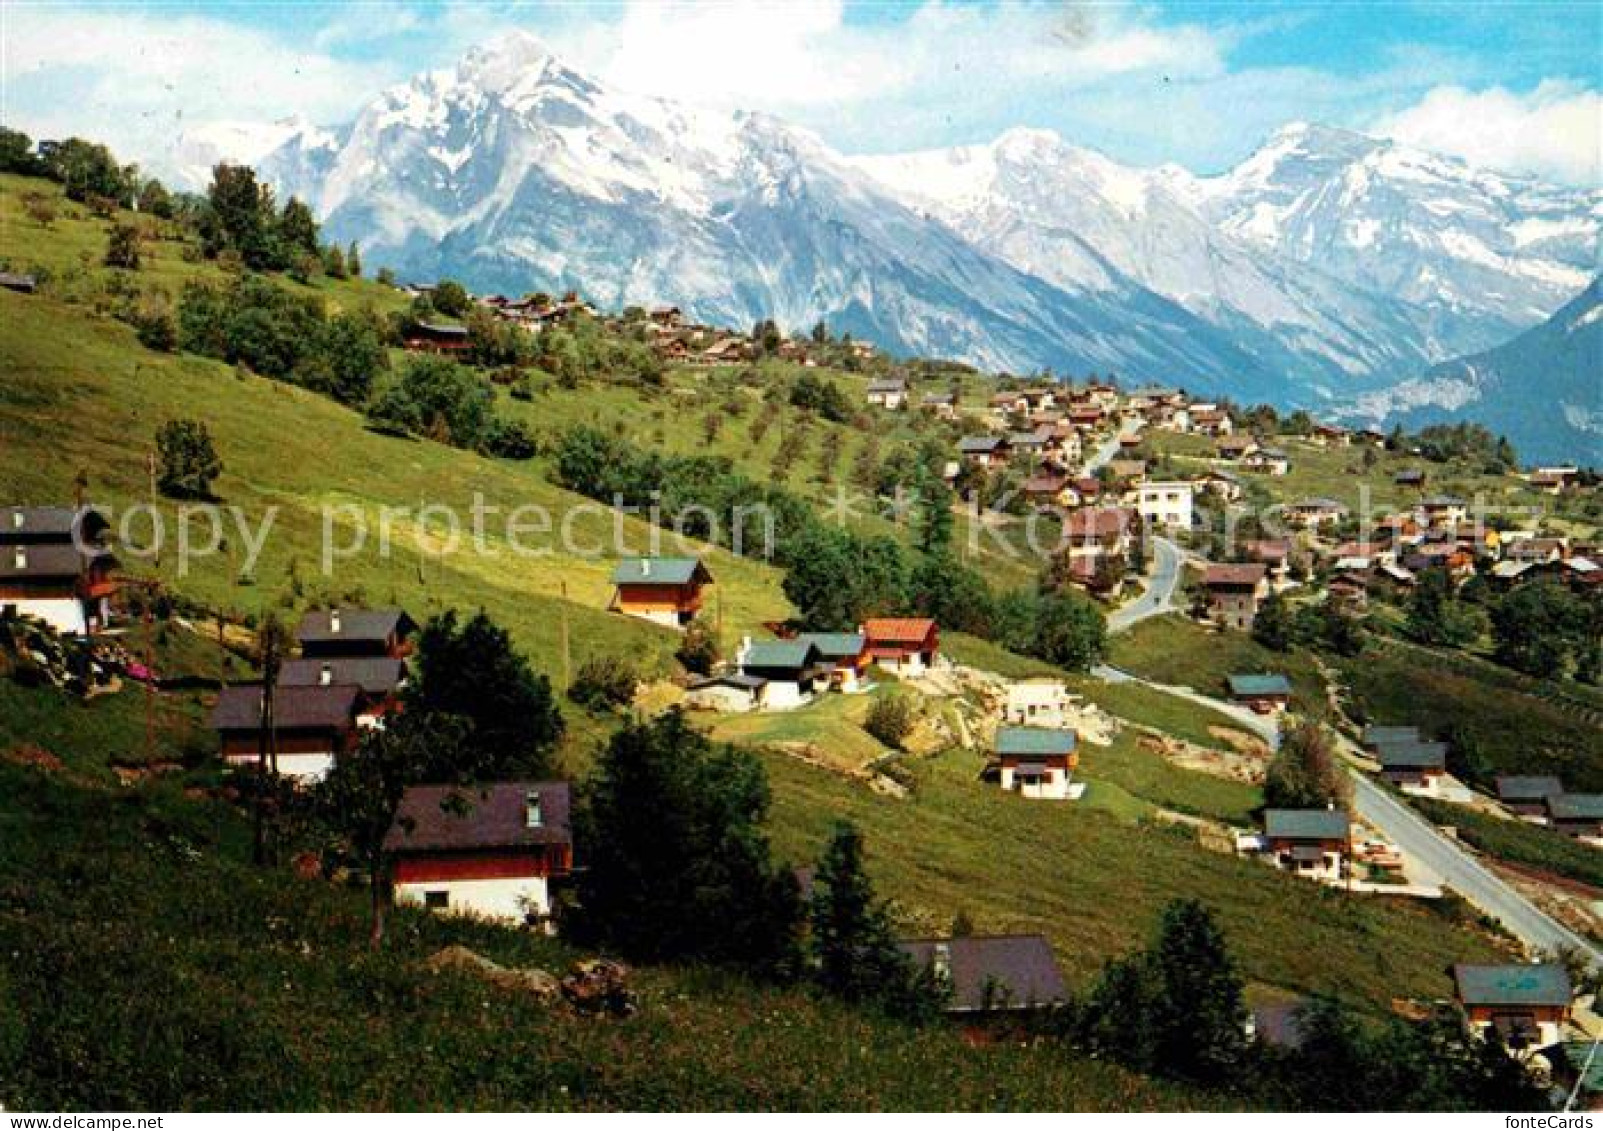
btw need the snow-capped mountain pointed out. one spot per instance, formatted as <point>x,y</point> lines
<point>514,172</point>
<point>195,152</point>
<point>1323,267</point>
<point>1487,254</point>
<point>1078,219</point>
<point>1543,389</point>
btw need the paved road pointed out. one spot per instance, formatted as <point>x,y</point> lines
<point>1167,562</point>
<point>1422,841</point>
<point>1110,447</point>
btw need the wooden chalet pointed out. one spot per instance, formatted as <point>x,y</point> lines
<point>435,337</point>
<point>1414,765</point>
<point>904,645</point>
<point>489,850</point>
<point>887,392</point>
<point>1265,693</point>
<point>1314,513</point>
<point>991,975</point>
<point>54,566</point>
<point>1309,842</point>
<point>842,657</point>
<point>1524,1005</point>
<point>1579,815</point>
<point>983,451</point>
<point>311,726</point>
<point>380,679</point>
<point>1235,591</point>
<point>666,591</point>
<point>326,633</point>
<point>790,670</point>
<point>1036,762</point>
<point>1527,794</point>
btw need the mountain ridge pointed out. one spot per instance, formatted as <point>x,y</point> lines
<point>1318,271</point>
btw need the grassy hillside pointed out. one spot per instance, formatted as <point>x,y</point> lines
<point>1176,649</point>
<point>220,986</point>
<point>78,392</point>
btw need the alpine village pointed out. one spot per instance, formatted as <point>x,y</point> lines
<point>854,730</point>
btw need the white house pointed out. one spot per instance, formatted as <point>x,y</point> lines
<point>887,393</point>
<point>1165,503</point>
<point>1039,702</point>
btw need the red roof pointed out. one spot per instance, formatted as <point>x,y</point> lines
<point>1097,522</point>
<point>898,630</point>
<point>1233,573</point>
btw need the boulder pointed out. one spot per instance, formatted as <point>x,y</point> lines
<point>596,986</point>
<point>528,979</point>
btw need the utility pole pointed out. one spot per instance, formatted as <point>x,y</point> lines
<point>567,672</point>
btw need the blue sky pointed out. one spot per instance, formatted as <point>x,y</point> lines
<point>1512,85</point>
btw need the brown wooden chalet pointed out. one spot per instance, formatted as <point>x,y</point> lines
<point>311,726</point>
<point>54,566</point>
<point>435,337</point>
<point>356,632</point>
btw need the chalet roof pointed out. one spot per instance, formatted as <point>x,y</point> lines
<point>835,645</point>
<point>1513,984</point>
<point>1413,755</point>
<point>239,708</point>
<point>11,280</point>
<point>1097,522</point>
<point>1411,475</point>
<point>1576,807</point>
<point>793,655</point>
<point>1440,502</point>
<point>1234,573</point>
<point>1317,504</point>
<point>898,630</point>
<point>375,675</point>
<point>1268,454</point>
<point>660,571</point>
<point>1306,824</point>
<point>1528,787</point>
<point>993,971</point>
<point>939,398</point>
<point>1381,735</point>
<point>496,815</point>
<point>443,330</point>
<point>1044,483</point>
<point>1028,439</point>
<point>375,625</point>
<point>1269,551</point>
<point>887,385</point>
<point>980,444</point>
<point>50,524</point>
<point>1027,742</point>
<point>49,561</point>
<point>1267,683</point>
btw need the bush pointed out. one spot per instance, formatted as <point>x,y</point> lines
<point>891,719</point>
<point>122,247</point>
<point>603,682</point>
<point>699,651</point>
<point>510,439</point>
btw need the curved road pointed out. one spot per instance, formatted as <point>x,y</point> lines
<point>1167,560</point>
<point>1434,850</point>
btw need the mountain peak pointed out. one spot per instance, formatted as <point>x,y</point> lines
<point>508,60</point>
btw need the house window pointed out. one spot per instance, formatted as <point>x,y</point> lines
<point>436,900</point>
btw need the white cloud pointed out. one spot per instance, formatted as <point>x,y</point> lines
<point>793,57</point>
<point>136,81</point>
<point>1553,131</point>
